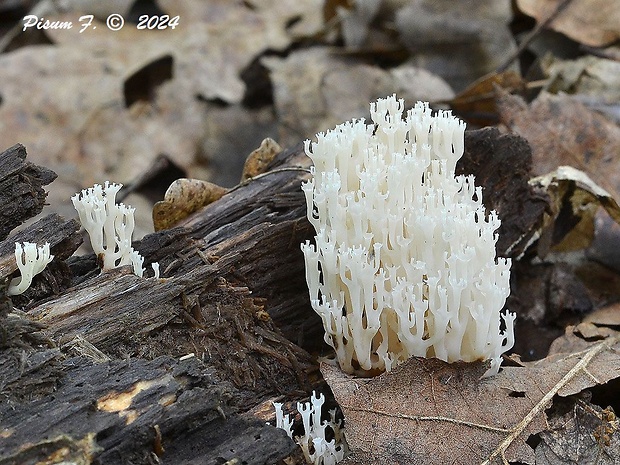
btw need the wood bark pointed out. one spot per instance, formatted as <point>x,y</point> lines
<point>107,367</point>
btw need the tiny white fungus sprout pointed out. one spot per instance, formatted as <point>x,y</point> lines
<point>155,267</point>
<point>317,450</point>
<point>31,260</point>
<point>109,225</point>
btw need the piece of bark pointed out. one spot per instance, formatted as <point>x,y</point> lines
<point>137,411</point>
<point>124,315</point>
<point>21,192</point>
<point>258,228</point>
<point>502,165</point>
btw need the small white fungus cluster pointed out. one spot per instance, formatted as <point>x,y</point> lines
<point>31,260</point>
<point>110,226</point>
<point>404,262</point>
<point>317,450</point>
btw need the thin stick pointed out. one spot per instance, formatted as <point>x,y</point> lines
<point>542,404</point>
<point>532,35</point>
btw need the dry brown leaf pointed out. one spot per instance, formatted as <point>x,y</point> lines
<point>606,316</point>
<point>183,197</point>
<point>592,332</point>
<point>585,435</point>
<point>274,21</point>
<point>314,90</point>
<point>562,131</point>
<point>213,43</point>
<point>430,412</point>
<point>476,104</point>
<point>259,159</point>
<point>575,198</point>
<point>588,75</point>
<point>573,340</point>
<point>591,22</point>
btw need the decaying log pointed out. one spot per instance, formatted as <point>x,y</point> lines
<point>502,165</point>
<point>219,270</point>
<point>136,411</point>
<point>176,369</point>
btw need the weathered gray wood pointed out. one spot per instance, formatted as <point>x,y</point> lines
<point>137,411</point>
<point>21,192</point>
<point>201,305</point>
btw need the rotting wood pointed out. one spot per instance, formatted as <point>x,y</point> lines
<point>21,188</point>
<point>128,321</point>
<point>232,293</point>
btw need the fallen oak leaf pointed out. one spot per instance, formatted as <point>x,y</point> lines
<point>591,22</point>
<point>580,366</point>
<point>398,417</point>
<point>562,131</point>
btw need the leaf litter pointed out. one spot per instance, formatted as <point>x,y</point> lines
<point>430,412</point>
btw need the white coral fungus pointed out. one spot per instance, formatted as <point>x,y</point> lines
<point>31,260</point>
<point>317,450</point>
<point>404,262</point>
<point>109,225</point>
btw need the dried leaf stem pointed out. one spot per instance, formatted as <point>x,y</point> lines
<point>431,418</point>
<point>516,431</point>
<point>268,173</point>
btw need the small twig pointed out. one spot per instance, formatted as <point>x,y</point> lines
<point>516,431</point>
<point>262,175</point>
<point>431,418</point>
<point>532,35</point>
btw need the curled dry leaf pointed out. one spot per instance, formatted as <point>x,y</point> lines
<point>428,412</point>
<point>562,131</point>
<point>183,197</point>
<point>476,104</point>
<point>575,198</point>
<point>591,22</point>
<point>259,159</point>
<point>565,441</point>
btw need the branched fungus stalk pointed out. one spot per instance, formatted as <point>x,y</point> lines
<point>404,259</point>
<point>110,227</point>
